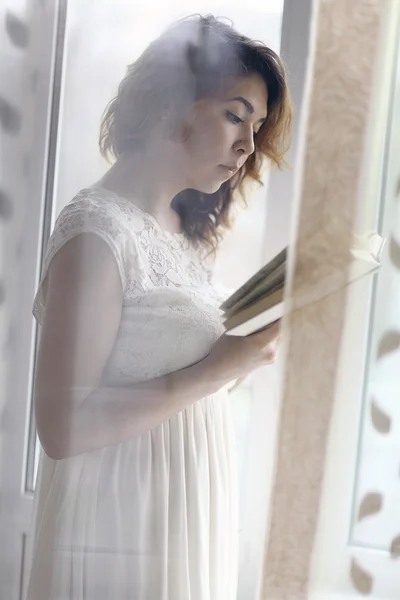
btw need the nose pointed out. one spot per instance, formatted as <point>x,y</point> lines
<point>245,145</point>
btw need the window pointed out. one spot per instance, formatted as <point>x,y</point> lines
<point>113,33</point>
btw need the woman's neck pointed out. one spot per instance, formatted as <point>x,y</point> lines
<point>149,185</point>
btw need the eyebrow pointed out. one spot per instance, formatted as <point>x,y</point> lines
<point>247,104</point>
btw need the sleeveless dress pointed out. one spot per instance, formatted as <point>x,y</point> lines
<point>153,518</point>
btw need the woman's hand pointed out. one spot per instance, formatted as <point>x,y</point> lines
<point>235,357</point>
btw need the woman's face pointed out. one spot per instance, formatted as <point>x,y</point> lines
<point>222,133</point>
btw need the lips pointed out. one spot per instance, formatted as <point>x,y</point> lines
<point>230,169</point>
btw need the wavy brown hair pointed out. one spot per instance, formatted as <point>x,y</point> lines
<point>196,58</point>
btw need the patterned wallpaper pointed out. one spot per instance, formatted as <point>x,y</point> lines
<point>377,511</point>
<point>14,163</point>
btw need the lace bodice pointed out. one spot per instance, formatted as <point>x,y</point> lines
<point>170,315</point>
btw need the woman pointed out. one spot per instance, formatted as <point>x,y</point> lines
<point>136,494</point>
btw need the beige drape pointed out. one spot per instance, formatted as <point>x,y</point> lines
<point>343,49</point>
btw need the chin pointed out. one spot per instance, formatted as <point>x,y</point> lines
<point>209,187</point>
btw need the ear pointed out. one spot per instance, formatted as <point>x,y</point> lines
<point>167,124</point>
<point>187,120</point>
<point>177,120</point>
<point>166,114</point>
<point>174,127</point>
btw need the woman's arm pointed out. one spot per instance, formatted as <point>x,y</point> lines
<point>74,414</point>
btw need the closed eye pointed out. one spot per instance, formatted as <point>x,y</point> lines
<point>233,118</point>
<point>236,120</point>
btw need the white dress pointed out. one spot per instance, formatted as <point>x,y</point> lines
<point>154,518</point>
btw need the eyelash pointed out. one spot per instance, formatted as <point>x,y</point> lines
<point>233,118</point>
<point>236,120</point>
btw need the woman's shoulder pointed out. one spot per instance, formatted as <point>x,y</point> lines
<point>95,201</point>
<point>95,212</point>
<point>96,208</point>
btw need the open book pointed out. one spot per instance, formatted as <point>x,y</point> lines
<point>259,302</point>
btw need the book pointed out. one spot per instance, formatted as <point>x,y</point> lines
<point>366,255</point>
<point>261,276</point>
<point>259,302</point>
